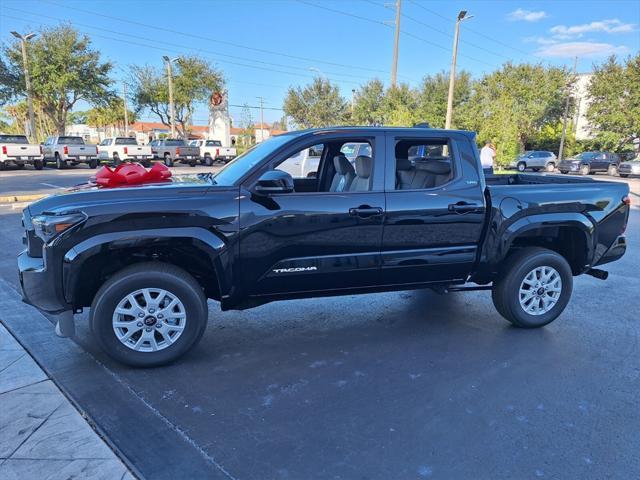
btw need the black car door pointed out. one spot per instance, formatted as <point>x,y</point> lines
<point>313,240</point>
<point>435,208</point>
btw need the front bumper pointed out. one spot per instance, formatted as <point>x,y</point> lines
<point>40,287</point>
<point>615,251</point>
<point>568,167</point>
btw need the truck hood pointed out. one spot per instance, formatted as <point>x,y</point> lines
<point>89,194</point>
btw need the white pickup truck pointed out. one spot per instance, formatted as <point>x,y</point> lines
<point>16,150</point>
<point>65,150</point>
<point>212,151</point>
<point>120,149</point>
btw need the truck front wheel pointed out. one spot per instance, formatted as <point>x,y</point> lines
<point>534,287</point>
<point>149,314</point>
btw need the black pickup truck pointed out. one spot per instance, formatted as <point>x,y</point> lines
<point>147,258</point>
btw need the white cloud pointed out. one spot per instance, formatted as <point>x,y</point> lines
<point>581,49</point>
<point>612,25</point>
<point>526,15</point>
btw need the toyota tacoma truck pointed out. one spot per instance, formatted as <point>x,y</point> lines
<point>119,149</point>
<point>146,258</point>
<point>67,150</point>
<point>213,151</point>
<point>172,150</point>
<point>16,150</point>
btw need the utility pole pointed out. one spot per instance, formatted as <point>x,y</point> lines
<point>452,74</point>
<point>172,111</point>
<point>394,67</point>
<point>353,99</point>
<point>261,118</point>
<point>566,113</point>
<point>32,120</point>
<point>126,114</point>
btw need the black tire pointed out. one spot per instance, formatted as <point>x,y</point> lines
<point>20,166</point>
<point>167,160</point>
<point>116,160</point>
<point>535,169</point>
<point>60,164</point>
<point>193,163</point>
<point>93,163</point>
<point>550,167</point>
<point>208,161</point>
<point>149,275</point>
<point>521,167</point>
<point>612,170</point>
<point>585,169</point>
<point>624,175</point>
<point>146,163</point>
<point>564,172</point>
<point>38,164</point>
<point>506,290</point>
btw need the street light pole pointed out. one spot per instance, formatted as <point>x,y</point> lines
<point>452,74</point>
<point>27,81</point>
<point>394,67</point>
<point>126,114</point>
<point>566,114</point>
<point>261,118</point>
<point>172,111</point>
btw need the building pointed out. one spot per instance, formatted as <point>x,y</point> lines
<point>258,133</point>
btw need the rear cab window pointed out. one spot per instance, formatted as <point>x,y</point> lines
<point>422,163</point>
<point>70,141</point>
<point>126,141</point>
<point>16,139</point>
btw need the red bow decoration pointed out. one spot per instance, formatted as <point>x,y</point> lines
<point>132,174</point>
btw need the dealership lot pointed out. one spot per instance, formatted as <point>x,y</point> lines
<point>396,385</point>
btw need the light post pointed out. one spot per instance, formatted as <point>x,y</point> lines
<point>32,121</point>
<point>452,74</point>
<point>172,111</point>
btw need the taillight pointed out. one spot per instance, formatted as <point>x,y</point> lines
<point>126,151</point>
<point>4,149</point>
<point>96,149</point>
<point>66,150</point>
<point>217,152</point>
<point>177,151</point>
<point>41,150</point>
<point>627,201</point>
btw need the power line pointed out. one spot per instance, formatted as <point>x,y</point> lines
<point>378,22</point>
<point>437,14</point>
<point>183,46</point>
<point>210,39</point>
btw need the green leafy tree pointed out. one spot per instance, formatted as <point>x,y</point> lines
<point>64,69</point>
<point>368,105</point>
<point>433,95</point>
<point>316,105</point>
<point>194,79</point>
<point>110,115</point>
<point>400,106</point>
<point>77,117</point>
<point>614,108</point>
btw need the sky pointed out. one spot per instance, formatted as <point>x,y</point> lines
<point>263,47</point>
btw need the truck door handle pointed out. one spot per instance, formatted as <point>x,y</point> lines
<point>463,207</point>
<point>365,211</point>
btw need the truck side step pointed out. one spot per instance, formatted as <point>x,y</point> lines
<point>597,273</point>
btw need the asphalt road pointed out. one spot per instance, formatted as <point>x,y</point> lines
<point>405,385</point>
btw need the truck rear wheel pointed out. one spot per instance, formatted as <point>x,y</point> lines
<point>168,161</point>
<point>60,163</point>
<point>208,161</point>
<point>534,287</point>
<point>38,164</point>
<point>93,163</point>
<point>149,314</point>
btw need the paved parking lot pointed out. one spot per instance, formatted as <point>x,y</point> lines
<point>399,385</point>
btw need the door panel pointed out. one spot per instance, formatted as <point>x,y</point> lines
<point>433,235</point>
<point>305,242</point>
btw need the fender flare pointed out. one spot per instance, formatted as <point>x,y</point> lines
<point>210,244</point>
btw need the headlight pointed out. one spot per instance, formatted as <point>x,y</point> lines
<point>48,227</point>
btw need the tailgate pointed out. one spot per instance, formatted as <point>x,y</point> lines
<point>18,151</point>
<point>81,150</point>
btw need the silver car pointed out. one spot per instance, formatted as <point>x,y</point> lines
<point>535,160</point>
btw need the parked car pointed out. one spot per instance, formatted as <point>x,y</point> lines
<point>16,150</point>
<point>212,151</point>
<point>631,167</point>
<point>172,150</point>
<point>535,160</point>
<point>303,164</point>
<point>590,163</point>
<point>146,258</point>
<point>119,149</point>
<point>65,150</point>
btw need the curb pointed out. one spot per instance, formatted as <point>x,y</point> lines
<point>21,198</point>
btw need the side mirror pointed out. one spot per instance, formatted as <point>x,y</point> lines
<point>274,181</point>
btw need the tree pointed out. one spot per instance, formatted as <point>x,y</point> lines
<point>194,79</point>
<point>246,124</point>
<point>77,117</point>
<point>614,108</point>
<point>400,106</point>
<point>368,105</point>
<point>316,105</point>
<point>64,69</point>
<point>511,105</point>
<point>110,115</point>
<point>432,98</point>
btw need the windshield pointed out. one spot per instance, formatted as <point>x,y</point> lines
<point>126,141</point>
<point>213,143</point>
<point>178,143</point>
<point>586,155</point>
<point>21,139</point>
<point>235,169</point>
<point>70,141</point>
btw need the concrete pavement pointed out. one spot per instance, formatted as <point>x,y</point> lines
<point>42,435</point>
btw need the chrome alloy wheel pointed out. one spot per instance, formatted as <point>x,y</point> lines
<point>149,319</point>
<point>540,290</point>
